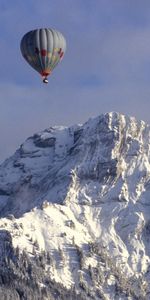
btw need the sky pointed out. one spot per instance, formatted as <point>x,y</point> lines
<point>106,66</point>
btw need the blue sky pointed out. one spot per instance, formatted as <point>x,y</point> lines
<point>106,66</point>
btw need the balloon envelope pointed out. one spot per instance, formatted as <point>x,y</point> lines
<point>43,49</point>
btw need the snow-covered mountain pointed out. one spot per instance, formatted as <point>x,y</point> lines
<point>79,198</point>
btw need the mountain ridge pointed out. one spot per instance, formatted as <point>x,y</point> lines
<point>82,194</point>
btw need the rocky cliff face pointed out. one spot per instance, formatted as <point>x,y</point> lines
<point>82,194</point>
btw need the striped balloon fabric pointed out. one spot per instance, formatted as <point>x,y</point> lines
<point>43,49</point>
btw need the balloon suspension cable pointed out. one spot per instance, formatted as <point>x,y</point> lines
<point>45,80</point>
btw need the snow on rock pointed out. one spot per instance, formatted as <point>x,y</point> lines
<point>83,195</point>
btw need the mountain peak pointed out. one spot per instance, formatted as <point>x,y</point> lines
<point>107,151</point>
<point>81,194</point>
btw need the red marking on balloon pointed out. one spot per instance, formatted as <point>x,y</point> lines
<point>61,53</point>
<point>43,52</point>
<point>45,73</point>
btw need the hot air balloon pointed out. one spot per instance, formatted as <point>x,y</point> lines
<point>43,49</point>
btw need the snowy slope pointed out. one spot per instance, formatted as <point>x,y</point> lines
<point>82,194</point>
